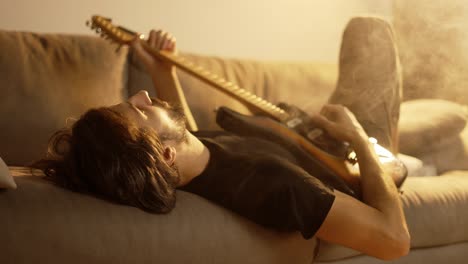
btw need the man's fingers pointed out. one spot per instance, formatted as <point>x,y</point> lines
<point>335,108</point>
<point>165,44</point>
<point>322,122</point>
<point>153,36</point>
<point>171,46</point>
<point>157,40</point>
<point>160,40</point>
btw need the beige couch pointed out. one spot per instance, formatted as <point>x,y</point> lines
<point>47,78</point>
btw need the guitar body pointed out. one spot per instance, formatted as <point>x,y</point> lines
<point>265,127</point>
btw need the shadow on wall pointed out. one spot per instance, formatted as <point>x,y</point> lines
<point>433,43</point>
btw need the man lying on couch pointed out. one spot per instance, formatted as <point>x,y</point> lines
<point>138,152</point>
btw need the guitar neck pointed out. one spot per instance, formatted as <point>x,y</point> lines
<point>259,104</point>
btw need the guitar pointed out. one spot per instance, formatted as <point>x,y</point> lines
<point>286,120</point>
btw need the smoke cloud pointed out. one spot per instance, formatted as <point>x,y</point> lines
<point>432,38</point>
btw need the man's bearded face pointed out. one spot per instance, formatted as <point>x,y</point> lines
<point>178,130</point>
<point>168,121</point>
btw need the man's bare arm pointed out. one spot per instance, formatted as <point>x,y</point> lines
<point>164,75</point>
<point>168,86</point>
<point>376,227</point>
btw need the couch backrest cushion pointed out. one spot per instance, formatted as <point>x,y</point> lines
<point>46,78</point>
<point>307,85</point>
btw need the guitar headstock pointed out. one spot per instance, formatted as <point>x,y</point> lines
<point>107,30</point>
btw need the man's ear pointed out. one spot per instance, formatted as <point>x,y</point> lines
<point>169,155</point>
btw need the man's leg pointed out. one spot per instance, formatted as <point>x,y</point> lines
<point>369,82</point>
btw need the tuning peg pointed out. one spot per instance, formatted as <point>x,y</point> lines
<point>88,23</point>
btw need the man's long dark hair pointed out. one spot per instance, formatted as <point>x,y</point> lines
<point>105,154</point>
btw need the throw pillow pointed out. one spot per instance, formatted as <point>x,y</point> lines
<point>6,180</point>
<point>425,123</point>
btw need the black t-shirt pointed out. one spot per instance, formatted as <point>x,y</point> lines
<point>266,182</point>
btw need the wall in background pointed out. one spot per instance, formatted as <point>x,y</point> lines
<point>299,30</point>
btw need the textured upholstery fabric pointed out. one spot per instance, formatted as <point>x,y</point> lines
<point>435,209</point>
<point>450,154</point>
<point>47,78</point>
<point>54,225</point>
<point>369,82</point>
<point>452,253</point>
<point>425,123</point>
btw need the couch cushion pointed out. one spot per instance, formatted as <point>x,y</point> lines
<point>47,78</point>
<point>435,209</point>
<point>451,253</point>
<point>43,222</point>
<point>307,85</point>
<point>449,154</point>
<point>424,123</point>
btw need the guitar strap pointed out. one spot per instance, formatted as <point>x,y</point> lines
<point>243,125</point>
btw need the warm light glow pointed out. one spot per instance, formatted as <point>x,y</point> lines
<point>433,42</point>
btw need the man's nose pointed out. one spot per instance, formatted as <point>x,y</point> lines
<point>142,97</point>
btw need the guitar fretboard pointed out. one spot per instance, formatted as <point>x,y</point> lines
<point>105,27</point>
<point>252,100</point>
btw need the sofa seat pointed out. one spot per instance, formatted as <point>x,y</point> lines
<point>39,209</point>
<point>44,222</point>
<point>434,206</point>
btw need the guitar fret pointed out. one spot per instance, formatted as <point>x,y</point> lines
<point>258,100</point>
<point>232,88</point>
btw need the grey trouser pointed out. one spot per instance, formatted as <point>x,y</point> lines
<point>369,82</point>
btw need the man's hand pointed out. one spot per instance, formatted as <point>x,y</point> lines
<point>376,227</point>
<point>164,76</point>
<point>340,123</point>
<point>158,40</point>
